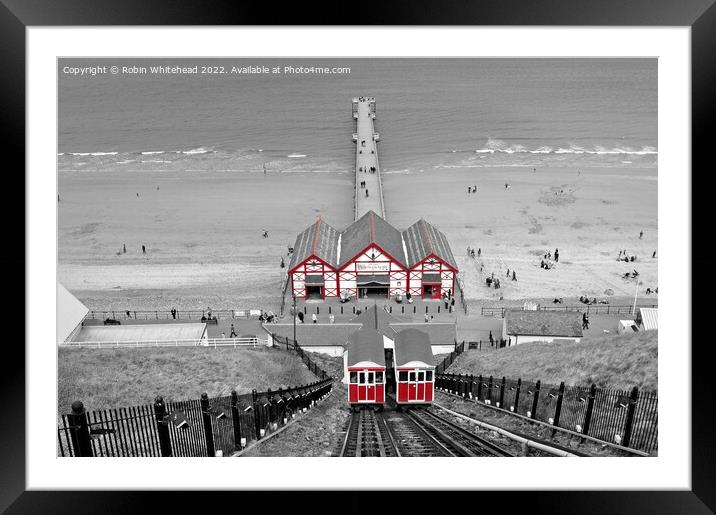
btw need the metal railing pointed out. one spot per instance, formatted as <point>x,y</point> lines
<point>626,417</point>
<point>205,342</point>
<point>590,309</point>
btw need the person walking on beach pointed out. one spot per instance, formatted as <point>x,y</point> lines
<point>233,332</point>
<point>144,249</point>
<point>556,255</point>
<point>514,275</point>
<point>282,263</point>
<point>137,195</point>
<point>585,321</point>
<point>654,254</point>
<point>641,234</point>
<point>124,248</point>
<point>508,273</point>
<point>479,251</point>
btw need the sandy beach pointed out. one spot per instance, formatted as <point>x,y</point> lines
<point>203,232</point>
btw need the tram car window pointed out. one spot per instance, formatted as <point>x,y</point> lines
<point>402,376</point>
<point>354,377</point>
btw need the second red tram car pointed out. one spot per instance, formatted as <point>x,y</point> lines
<point>364,364</point>
<point>414,368</point>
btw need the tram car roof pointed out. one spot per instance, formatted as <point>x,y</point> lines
<point>412,348</point>
<point>365,346</point>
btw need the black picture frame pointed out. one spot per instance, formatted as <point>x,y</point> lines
<point>699,15</point>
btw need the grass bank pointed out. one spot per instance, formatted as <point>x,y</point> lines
<point>110,378</point>
<point>606,360</point>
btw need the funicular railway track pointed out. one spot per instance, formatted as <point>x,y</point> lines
<point>413,433</point>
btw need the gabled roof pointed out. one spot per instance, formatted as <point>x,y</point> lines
<point>413,345</point>
<point>544,323</point>
<point>371,229</point>
<point>378,320</point>
<point>440,333</point>
<point>365,344</point>
<point>649,318</point>
<point>422,240</point>
<point>320,240</point>
<point>70,313</point>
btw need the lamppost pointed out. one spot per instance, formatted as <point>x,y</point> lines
<point>295,313</point>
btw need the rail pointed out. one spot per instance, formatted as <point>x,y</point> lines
<point>137,314</point>
<point>590,309</point>
<point>206,342</point>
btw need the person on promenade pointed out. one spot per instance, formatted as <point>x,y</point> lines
<point>492,340</point>
<point>514,276</point>
<point>585,321</point>
<point>479,251</point>
<point>300,316</point>
<point>124,248</point>
<point>641,234</point>
<point>366,193</point>
<point>314,318</point>
<point>282,263</point>
<point>508,273</point>
<point>469,189</point>
<point>174,313</point>
<point>223,335</point>
<point>331,318</point>
<point>233,332</point>
<point>427,319</point>
<point>654,254</point>
<point>144,249</point>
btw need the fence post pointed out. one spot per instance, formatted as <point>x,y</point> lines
<point>558,408</point>
<point>535,398</point>
<point>236,418</point>
<point>502,393</point>
<point>79,431</point>
<point>257,413</point>
<point>479,387</point>
<point>517,393</point>
<point>472,384</point>
<point>206,417</point>
<point>160,413</point>
<point>630,416</point>
<point>489,389</point>
<point>590,408</point>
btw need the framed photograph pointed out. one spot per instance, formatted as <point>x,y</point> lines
<point>439,238</point>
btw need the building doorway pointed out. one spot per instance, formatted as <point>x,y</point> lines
<point>373,287</point>
<point>431,291</point>
<point>314,292</point>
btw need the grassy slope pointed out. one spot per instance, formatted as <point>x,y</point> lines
<point>104,378</point>
<point>608,361</point>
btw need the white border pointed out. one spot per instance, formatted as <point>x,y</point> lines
<point>671,470</point>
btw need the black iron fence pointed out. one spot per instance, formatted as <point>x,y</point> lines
<point>291,344</point>
<point>192,428</point>
<point>590,309</point>
<point>627,418</point>
<point>132,314</point>
<point>450,358</point>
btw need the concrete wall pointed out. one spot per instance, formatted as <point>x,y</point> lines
<point>522,338</point>
<point>328,350</point>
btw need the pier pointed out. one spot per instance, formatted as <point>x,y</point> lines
<point>367,168</point>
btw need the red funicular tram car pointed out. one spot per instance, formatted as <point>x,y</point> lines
<point>364,367</point>
<point>414,369</point>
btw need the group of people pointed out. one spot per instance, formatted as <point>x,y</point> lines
<point>649,291</point>
<point>448,299</point>
<point>371,169</point>
<point>265,234</point>
<point>471,252</point>
<point>493,281</point>
<point>362,184</point>
<point>472,189</point>
<point>314,318</point>
<point>514,274</point>
<point>623,256</point>
<point>546,262</point>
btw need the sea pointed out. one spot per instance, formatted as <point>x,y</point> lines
<point>289,115</point>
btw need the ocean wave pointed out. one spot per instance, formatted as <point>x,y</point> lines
<point>499,146</point>
<point>151,152</point>
<point>200,150</point>
<point>296,155</point>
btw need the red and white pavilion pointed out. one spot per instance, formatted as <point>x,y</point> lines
<point>372,258</point>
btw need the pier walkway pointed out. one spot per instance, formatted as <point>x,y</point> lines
<point>366,140</point>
